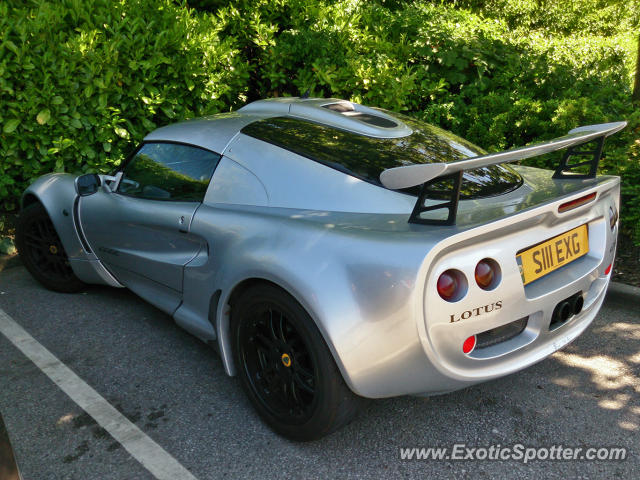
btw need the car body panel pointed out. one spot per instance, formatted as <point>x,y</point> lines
<point>368,287</point>
<point>344,249</point>
<point>212,132</point>
<point>236,185</point>
<point>317,187</point>
<point>145,243</point>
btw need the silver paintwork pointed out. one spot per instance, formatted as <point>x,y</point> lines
<point>344,249</point>
<point>213,132</point>
<point>294,182</point>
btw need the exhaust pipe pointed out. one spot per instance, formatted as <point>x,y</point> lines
<point>565,311</point>
<point>577,304</point>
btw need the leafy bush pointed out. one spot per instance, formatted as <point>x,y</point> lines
<point>630,171</point>
<point>568,17</point>
<point>78,84</point>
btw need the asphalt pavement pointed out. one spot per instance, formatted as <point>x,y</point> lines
<point>174,389</point>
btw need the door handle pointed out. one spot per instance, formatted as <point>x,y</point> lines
<point>182,227</point>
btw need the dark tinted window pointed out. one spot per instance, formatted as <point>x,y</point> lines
<point>168,171</point>
<point>366,157</point>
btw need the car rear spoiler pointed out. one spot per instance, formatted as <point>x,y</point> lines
<point>428,174</point>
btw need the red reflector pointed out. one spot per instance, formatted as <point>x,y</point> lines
<point>578,202</point>
<point>469,344</point>
<point>608,270</point>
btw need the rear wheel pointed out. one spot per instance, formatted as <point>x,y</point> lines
<point>42,252</point>
<point>285,366</point>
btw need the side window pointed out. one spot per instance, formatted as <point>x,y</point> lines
<point>169,171</point>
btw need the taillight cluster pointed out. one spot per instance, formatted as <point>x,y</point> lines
<point>452,284</point>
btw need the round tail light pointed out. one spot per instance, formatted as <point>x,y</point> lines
<point>487,274</point>
<point>452,285</point>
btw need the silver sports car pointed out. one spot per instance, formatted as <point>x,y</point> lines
<point>332,251</point>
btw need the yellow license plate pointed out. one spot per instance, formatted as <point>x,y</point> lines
<point>544,258</point>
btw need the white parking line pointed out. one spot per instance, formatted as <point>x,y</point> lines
<point>151,455</point>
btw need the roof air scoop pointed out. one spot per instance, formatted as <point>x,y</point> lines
<point>335,113</point>
<point>341,107</point>
<point>346,109</point>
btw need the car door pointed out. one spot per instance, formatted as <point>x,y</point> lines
<point>141,231</point>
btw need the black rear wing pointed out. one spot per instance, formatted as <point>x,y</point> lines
<point>429,174</point>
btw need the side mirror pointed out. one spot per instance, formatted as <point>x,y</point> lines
<point>87,184</point>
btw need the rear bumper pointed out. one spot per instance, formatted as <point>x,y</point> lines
<point>445,325</point>
<point>392,334</point>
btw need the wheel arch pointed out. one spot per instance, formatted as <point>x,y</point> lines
<point>29,198</point>
<point>57,194</point>
<point>224,310</point>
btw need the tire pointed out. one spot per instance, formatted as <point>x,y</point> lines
<point>42,252</point>
<point>285,367</point>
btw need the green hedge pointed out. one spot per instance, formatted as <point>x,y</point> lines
<point>81,83</point>
<point>78,84</point>
<point>566,17</point>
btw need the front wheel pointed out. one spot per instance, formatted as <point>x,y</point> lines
<point>285,366</point>
<point>42,252</point>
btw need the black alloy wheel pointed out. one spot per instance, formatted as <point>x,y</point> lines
<point>285,367</point>
<point>42,252</point>
<point>278,364</point>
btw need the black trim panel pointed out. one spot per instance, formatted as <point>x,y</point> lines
<point>564,170</point>
<point>76,221</point>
